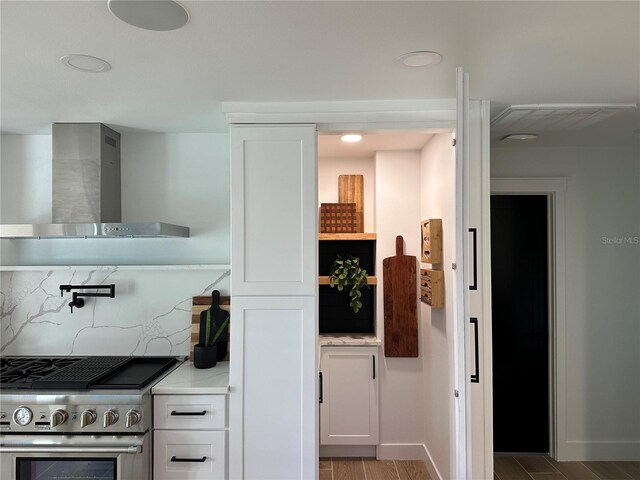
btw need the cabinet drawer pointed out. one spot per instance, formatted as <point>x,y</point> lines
<point>189,455</point>
<point>190,412</point>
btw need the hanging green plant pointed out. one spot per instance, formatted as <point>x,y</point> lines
<point>346,273</point>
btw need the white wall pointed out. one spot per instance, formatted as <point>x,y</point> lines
<point>397,209</point>
<point>602,285</point>
<point>174,178</point>
<point>25,179</point>
<point>329,168</point>
<point>437,176</point>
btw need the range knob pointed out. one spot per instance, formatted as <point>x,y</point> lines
<point>87,418</point>
<point>58,417</point>
<point>132,417</point>
<point>110,417</point>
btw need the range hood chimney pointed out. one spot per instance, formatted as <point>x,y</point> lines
<point>85,174</point>
<point>86,194</point>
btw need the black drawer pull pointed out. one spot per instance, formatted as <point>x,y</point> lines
<point>194,460</point>
<point>474,286</point>
<point>374,367</point>
<point>475,377</point>
<point>182,414</point>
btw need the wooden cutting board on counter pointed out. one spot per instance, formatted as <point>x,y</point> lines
<point>351,190</point>
<point>199,305</point>
<point>400,290</point>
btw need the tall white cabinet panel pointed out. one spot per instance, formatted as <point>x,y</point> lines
<point>478,285</point>
<point>274,225</point>
<point>474,421</point>
<point>349,396</point>
<point>273,388</point>
<point>273,210</point>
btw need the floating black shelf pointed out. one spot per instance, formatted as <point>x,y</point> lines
<point>336,316</point>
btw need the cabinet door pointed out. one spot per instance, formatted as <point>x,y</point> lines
<point>273,396</point>
<point>273,210</point>
<point>189,455</point>
<point>349,408</point>
<point>189,412</point>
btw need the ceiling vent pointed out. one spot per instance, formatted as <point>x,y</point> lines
<point>558,116</point>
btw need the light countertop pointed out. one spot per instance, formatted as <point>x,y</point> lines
<point>349,339</point>
<point>188,380</point>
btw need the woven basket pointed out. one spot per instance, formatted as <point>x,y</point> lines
<point>338,218</point>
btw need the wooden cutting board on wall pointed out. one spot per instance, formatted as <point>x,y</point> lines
<point>199,305</point>
<point>351,190</point>
<point>400,290</point>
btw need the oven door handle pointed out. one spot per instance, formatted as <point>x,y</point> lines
<point>132,449</point>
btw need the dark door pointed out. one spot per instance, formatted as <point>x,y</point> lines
<point>520,323</point>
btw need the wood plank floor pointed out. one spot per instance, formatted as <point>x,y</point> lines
<point>371,469</point>
<point>542,467</point>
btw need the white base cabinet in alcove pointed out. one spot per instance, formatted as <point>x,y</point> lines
<point>349,396</point>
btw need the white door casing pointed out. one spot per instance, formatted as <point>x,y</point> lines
<point>460,451</point>
<point>478,286</point>
<point>473,449</point>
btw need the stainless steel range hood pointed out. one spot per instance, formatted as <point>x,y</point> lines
<point>86,190</point>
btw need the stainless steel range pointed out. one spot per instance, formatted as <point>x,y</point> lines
<point>77,417</point>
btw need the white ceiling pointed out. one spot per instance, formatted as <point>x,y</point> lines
<point>330,145</point>
<point>516,52</point>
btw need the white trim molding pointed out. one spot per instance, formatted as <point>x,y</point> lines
<point>555,188</point>
<point>401,451</point>
<point>485,258</point>
<point>409,451</point>
<point>620,451</point>
<point>336,116</point>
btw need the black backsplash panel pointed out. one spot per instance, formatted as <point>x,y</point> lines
<point>336,316</point>
<point>365,250</point>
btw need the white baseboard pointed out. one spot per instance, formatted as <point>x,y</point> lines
<point>347,451</point>
<point>431,467</point>
<point>408,451</point>
<point>578,451</point>
<point>401,451</point>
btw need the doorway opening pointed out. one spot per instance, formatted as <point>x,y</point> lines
<point>402,177</point>
<point>521,332</point>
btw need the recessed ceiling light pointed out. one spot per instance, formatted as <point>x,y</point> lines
<point>520,136</point>
<point>351,138</point>
<point>85,63</point>
<point>157,15</point>
<point>419,59</point>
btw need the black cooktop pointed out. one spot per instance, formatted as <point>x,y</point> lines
<point>81,373</point>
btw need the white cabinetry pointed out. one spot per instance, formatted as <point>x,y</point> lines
<point>273,394</point>
<point>190,437</point>
<point>273,210</point>
<point>349,408</point>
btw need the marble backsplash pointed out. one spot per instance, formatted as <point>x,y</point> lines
<point>150,314</point>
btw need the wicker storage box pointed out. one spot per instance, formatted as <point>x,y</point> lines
<point>338,218</point>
